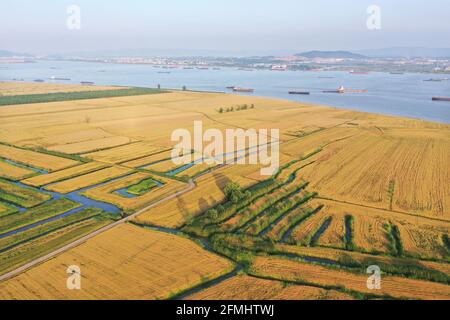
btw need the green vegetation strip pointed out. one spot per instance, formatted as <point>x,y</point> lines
<point>242,248</point>
<point>396,245</point>
<point>42,212</point>
<point>142,187</point>
<point>349,233</point>
<point>11,241</point>
<point>28,251</point>
<point>82,95</point>
<point>21,196</point>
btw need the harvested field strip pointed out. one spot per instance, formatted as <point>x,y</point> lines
<point>42,212</point>
<point>422,241</point>
<point>66,174</point>
<point>14,240</point>
<point>274,214</point>
<point>334,235</point>
<point>235,245</point>
<point>21,196</point>
<point>274,207</point>
<point>13,172</point>
<point>247,214</point>
<point>280,226</point>
<point>89,179</point>
<point>145,265</point>
<point>230,209</point>
<point>196,170</point>
<point>148,160</point>
<point>126,153</point>
<point>284,269</point>
<point>7,209</point>
<point>91,145</point>
<point>316,236</point>
<point>404,267</point>
<point>41,246</point>
<point>275,227</point>
<point>35,159</point>
<point>244,287</point>
<point>287,234</point>
<point>70,96</point>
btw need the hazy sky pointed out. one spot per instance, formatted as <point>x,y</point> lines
<point>239,26</point>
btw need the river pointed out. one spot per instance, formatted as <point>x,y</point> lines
<point>405,95</point>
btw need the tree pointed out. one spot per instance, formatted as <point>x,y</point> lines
<point>234,193</point>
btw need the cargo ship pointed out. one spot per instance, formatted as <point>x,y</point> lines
<point>341,89</point>
<point>299,92</point>
<point>238,89</point>
<point>441,99</point>
<point>436,79</point>
<point>59,78</point>
<point>359,72</point>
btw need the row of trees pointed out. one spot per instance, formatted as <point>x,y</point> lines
<point>236,108</point>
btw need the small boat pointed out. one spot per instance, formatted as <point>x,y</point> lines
<point>396,73</point>
<point>341,89</point>
<point>238,89</point>
<point>202,68</point>
<point>38,80</point>
<point>59,78</point>
<point>87,83</point>
<point>216,68</point>
<point>299,92</point>
<point>326,77</point>
<point>188,68</point>
<point>436,79</point>
<point>164,72</point>
<point>440,99</point>
<point>231,87</point>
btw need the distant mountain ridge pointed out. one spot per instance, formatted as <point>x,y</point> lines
<point>330,55</point>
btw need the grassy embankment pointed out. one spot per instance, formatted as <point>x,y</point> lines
<point>68,96</point>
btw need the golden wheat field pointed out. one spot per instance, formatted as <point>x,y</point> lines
<point>17,88</point>
<point>127,262</point>
<point>35,159</point>
<point>88,179</point>
<point>45,179</point>
<point>378,186</point>
<point>396,287</point>
<point>251,288</point>
<point>14,172</point>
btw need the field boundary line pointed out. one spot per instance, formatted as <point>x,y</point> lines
<point>383,209</point>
